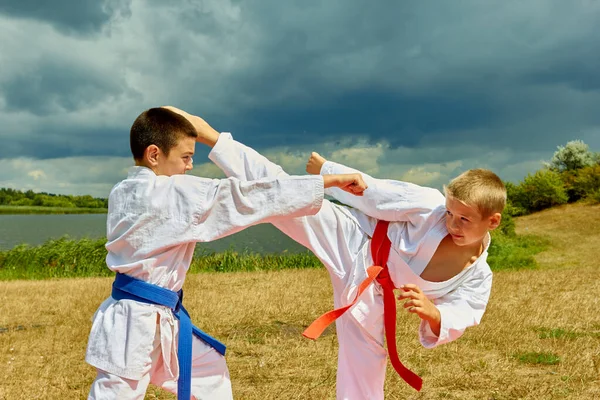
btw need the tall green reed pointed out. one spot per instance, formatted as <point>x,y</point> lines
<point>68,258</point>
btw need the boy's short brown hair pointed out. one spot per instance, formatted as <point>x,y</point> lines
<point>160,127</point>
<point>479,188</point>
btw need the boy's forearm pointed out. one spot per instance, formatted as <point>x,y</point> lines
<point>330,180</point>
<point>206,134</point>
<point>209,138</point>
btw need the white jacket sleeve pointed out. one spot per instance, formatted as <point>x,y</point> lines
<point>460,309</point>
<point>185,208</point>
<point>387,199</point>
<point>229,205</point>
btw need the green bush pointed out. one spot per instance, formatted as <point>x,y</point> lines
<point>573,156</point>
<point>539,191</point>
<point>22,202</point>
<point>594,197</point>
<point>507,224</point>
<point>514,197</point>
<point>571,188</point>
<point>582,182</point>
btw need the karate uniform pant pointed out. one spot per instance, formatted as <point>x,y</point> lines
<point>336,237</point>
<point>210,377</point>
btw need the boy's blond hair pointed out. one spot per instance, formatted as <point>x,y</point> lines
<point>479,188</point>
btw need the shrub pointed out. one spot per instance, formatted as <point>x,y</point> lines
<point>574,155</point>
<point>513,210</point>
<point>539,191</point>
<point>22,202</point>
<point>573,193</point>
<point>582,183</point>
<point>594,197</point>
<point>507,225</point>
<point>514,196</point>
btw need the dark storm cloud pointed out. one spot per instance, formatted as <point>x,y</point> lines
<point>53,85</point>
<point>518,77</point>
<point>58,142</point>
<point>416,75</point>
<point>400,118</point>
<point>69,16</point>
<point>577,68</point>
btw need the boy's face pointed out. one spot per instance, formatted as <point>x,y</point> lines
<point>466,225</point>
<point>179,160</point>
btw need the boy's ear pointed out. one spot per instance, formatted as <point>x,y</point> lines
<point>495,220</point>
<point>151,155</point>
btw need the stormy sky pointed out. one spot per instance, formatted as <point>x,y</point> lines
<point>403,89</point>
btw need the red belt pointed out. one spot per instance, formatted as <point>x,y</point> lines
<point>380,250</point>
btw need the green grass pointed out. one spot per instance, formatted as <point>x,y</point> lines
<point>563,334</point>
<point>66,258</point>
<point>535,358</point>
<point>232,261</point>
<point>50,210</point>
<point>515,252</point>
<point>557,333</point>
<point>62,258</point>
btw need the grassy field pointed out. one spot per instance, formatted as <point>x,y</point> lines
<point>50,210</point>
<point>540,337</point>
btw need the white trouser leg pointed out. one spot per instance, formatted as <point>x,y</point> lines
<point>361,362</point>
<point>210,375</point>
<point>112,387</point>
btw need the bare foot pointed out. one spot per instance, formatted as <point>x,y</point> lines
<point>314,164</point>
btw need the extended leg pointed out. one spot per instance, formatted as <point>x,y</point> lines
<point>336,238</point>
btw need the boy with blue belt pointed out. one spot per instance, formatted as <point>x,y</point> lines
<point>142,334</point>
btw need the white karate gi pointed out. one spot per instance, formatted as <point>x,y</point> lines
<point>153,224</point>
<point>340,237</point>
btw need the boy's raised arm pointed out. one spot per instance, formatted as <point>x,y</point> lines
<point>227,206</point>
<point>215,208</point>
<point>385,199</point>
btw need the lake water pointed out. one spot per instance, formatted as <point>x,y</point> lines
<point>36,229</point>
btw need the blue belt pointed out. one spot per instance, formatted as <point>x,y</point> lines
<point>128,288</point>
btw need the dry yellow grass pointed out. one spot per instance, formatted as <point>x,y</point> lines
<point>260,317</point>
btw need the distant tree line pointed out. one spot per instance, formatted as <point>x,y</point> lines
<point>573,174</point>
<point>12,197</point>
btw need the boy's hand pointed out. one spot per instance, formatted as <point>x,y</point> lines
<point>351,183</point>
<point>419,304</point>
<point>206,133</point>
<point>314,164</point>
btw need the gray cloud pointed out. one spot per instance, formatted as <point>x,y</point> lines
<point>447,81</point>
<point>68,16</point>
<point>53,85</point>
